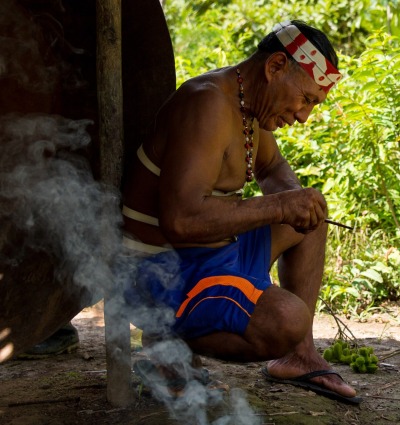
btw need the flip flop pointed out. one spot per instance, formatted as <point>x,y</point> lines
<point>304,381</point>
<point>165,387</point>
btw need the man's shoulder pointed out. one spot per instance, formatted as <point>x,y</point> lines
<point>211,84</point>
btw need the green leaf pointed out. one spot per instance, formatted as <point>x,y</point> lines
<point>373,275</point>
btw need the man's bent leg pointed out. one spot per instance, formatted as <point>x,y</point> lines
<point>280,321</point>
<point>300,270</point>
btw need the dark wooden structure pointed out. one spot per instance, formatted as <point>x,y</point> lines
<point>59,40</point>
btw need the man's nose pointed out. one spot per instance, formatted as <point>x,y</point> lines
<point>303,114</point>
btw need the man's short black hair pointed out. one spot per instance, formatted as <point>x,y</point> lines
<point>271,43</point>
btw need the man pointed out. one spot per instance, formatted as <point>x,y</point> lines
<point>183,201</point>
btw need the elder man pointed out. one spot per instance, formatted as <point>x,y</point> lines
<point>184,212</point>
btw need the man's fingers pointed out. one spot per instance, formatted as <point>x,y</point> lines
<point>313,219</point>
<point>303,209</point>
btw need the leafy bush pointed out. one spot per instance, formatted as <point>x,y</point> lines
<point>209,34</point>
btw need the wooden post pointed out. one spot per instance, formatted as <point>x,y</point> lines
<point>109,85</point>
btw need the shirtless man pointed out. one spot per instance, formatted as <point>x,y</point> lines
<point>183,201</point>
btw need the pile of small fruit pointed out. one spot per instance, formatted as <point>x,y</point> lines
<point>361,360</point>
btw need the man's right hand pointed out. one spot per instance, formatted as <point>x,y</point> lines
<point>303,209</point>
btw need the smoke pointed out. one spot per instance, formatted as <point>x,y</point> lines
<point>197,404</point>
<point>48,193</point>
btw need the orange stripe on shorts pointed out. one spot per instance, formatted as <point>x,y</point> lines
<point>245,286</point>
<point>218,297</point>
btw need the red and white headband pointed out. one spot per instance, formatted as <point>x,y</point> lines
<point>317,66</point>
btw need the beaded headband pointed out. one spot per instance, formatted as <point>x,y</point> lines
<point>317,66</point>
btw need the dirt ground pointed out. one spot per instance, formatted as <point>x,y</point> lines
<point>71,388</point>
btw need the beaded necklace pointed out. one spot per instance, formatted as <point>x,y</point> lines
<point>248,132</point>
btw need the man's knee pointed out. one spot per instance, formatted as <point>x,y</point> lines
<point>276,332</point>
<point>294,320</point>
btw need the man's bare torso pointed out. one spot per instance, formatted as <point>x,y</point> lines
<point>177,129</point>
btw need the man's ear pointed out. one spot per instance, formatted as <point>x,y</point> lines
<point>275,64</point>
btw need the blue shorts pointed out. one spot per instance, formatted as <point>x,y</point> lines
<point>209,289</point>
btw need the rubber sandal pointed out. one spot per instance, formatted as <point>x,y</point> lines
<point>304,381</point>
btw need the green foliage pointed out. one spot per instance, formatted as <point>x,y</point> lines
<point>210,34</point>
<point>361,360</point>
<point>370,101</point>
<point>361,283</point>
<point>356,165</point>
<point>350,146</point>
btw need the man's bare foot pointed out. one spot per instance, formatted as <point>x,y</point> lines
<point>294,365</point>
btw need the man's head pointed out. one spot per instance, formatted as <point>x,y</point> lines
<point>299,67</point>
<point>306,46</point>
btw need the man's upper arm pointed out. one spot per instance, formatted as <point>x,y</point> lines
<point>197,138</point>
<point>268,155</point>
<point>272,166</point>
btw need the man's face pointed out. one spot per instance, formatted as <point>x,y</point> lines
<point>292,98</point>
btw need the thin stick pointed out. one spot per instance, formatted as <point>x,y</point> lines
<point>48,401</point>
<point>383,397</point>
<point>394,353</point>
<point>341,333</point>
<point>327,220</point>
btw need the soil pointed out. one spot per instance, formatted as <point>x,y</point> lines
<point>71,388</point>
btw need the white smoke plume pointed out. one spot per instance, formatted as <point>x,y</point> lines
<point>48,193</point>
<point>197,404</point>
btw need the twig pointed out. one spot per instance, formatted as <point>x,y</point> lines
<point>327,220</point>
<point>392,354</point>
<point>385,387</point>
<point>282,413</point>
<point>342,335</point>
<point>94,371</point>
<point>384,398</point>
<point>152,414</point>
<point>49,401</point>
<point>94,386</point>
